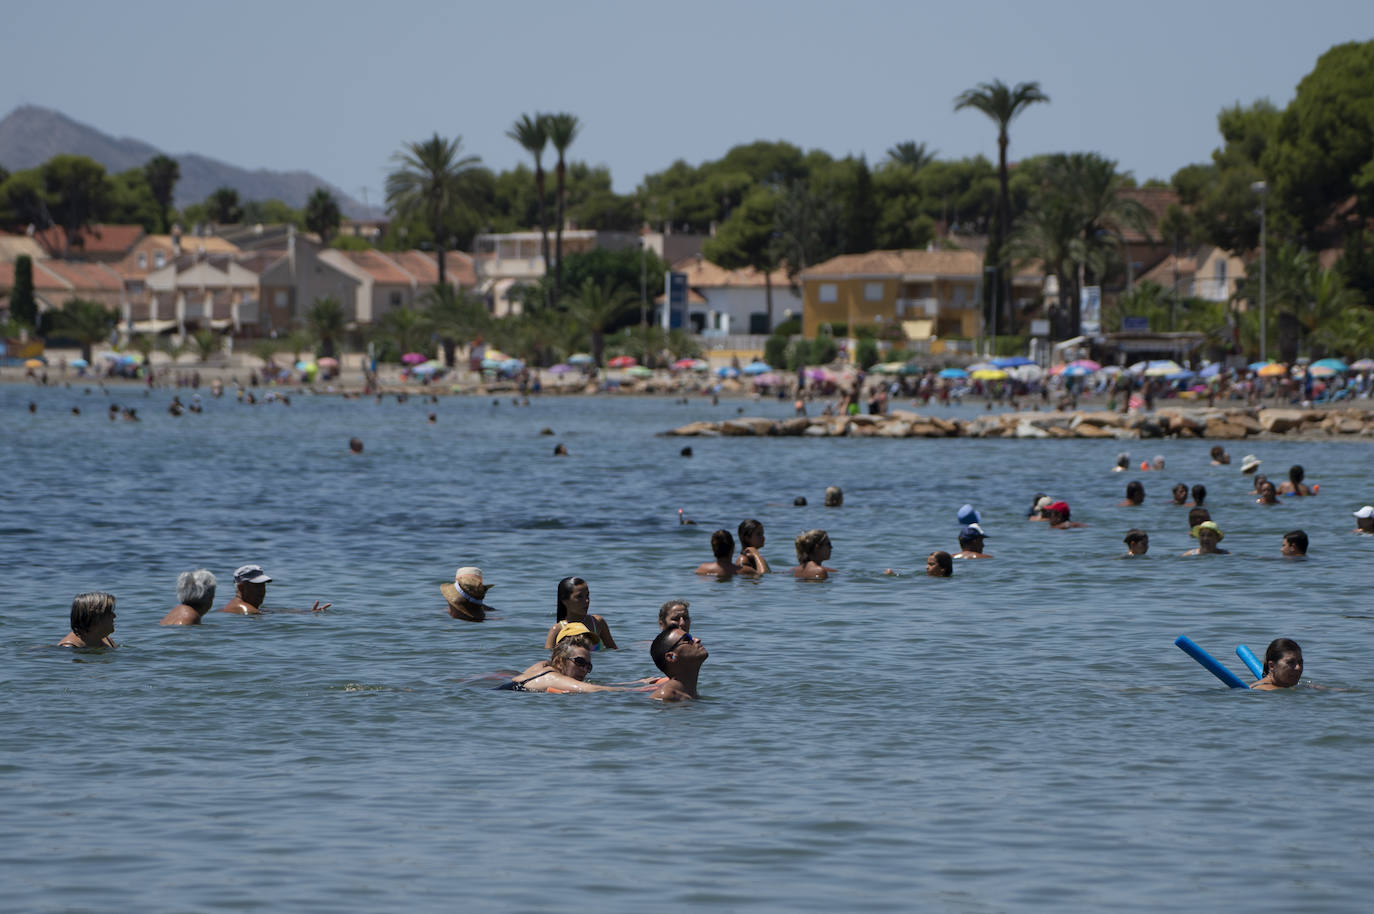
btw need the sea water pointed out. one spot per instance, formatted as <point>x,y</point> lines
<point>1024,734</point>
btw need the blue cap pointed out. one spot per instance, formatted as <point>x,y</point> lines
<point>972,531</point>
<point>969,516</point>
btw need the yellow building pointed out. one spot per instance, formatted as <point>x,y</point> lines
<point>928,293</point>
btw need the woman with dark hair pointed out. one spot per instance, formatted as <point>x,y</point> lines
<point>675,614</point>
<point>1295,485</point>
<point>1135,495</point>
<point>723,548</point>
<point>1199,494</point>
<point>750,542</point>
<point>1039,503</point>
<point>574,598</point>
<point>93,621</point>
<point>1180,493</point>
<point>1282,665</point>
<point>940,565</point>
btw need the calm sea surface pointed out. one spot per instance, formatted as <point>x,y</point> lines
<point>1023,735</point>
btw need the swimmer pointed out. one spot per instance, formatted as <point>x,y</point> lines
<point>250,589</point>
<point>683,519</point>
<point>1219,456</point>
<point>1123,463</point>
<point>834,498</point>
<point>1268,495</point>
<point>355,445</point>
<point>1295,485</point>
<point>93,621</point>
<point>433,418</point>
<point>799,501</point>
<point>1199,494</point>
<point>971,543</point>
<point>196,591</point>
<point>466,595</point>
<point>1260,480</point>
<point>1038,506</point>
<point>750,542</point>
<point>813,549</point>
<point>1294,544</point>
<point>1137,543</point>
<point>675,614</point>
<point>1057,514</point>
<point>574,599</point>
<point>1282,666</point>
<point>1180,493</point>
<point>1364,519</point>
<point>560,451</point>
<point>1208,534</point>
<point>685,452</point>
<point>679,656</point>
<point>1197,516</point>
<point>723,548</point>
<point>940,565</point>
<point>567,668</point>
<point>1249,464</point>
<point>1135,495</point>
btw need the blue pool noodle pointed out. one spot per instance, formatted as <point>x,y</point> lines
<point>1248,657</point>
<point>1209,662</point>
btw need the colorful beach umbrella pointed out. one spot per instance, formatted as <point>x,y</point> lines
<point>580,358</point>
<point>767,379</point>
<point>80,363</point>
<point>1273,370</point>
<point>1336,365</point>
<point>327,362</point>
<point>414,358</point>
<point>1162,368</point>
<point>1363,365</point>
<point>1012,361</point>
<point>623,361</point>
<point>887,368</point>
<point>560,368</point>
<point>34,363</point>
<point>639,371</point>
<point>953,373</point>
<point>989,374</point>
<point>727,371</point>
<point>757,367</point>
<point>1086,363</point>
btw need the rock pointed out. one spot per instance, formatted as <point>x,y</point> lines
<point>924,430</point>
<point>1027,430</point>
<point>743,427</point>
<point>1245,421</point>
<point>860,429</point>
<point>1281,421</point>
<point>1059,431</point>
<point>797,426</point>
<point>1218,428</point>
<point>1350,427</point>
<point>948,426</point>
<point>819,430</point>
<point>865,419</point>
<point>1097,420</point>
<point>894,429</point>
<point>1088,430</point>
<point>1149,429</point>
<point>692,429</point>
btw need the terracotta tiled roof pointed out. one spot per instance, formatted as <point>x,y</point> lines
<point>95,239</point>
<point>93,277</point>
<point>12,246</point>
<point>1163,272</point>
<point>703,274</point>
<point>381,268</point>
<point>42,279</point>
<point>906,262</point>
<point>1154,199</point>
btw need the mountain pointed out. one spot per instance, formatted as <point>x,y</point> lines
<point>30,135</point>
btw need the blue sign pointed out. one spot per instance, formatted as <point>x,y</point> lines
<point>1135,323</point>
<point>674,300</point>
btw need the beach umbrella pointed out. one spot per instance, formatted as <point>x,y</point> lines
<point>983,366</point>
<point>414,358</point>
<point>953,373</point>
<point>327,362</point>
<point>1075,371</point>
<point>429,367</point>
<point>511,364</point>
<point>1056,370</point>
<point>580,358</point>
<point>639,371</point>
<point>36,363</point>
<point>687,364</point>
<point>1210,371</point>
<point>1162,368</point>
<point>1031,372</point>
<point>1181,375</point>
<point>1363,365</point>
<point>887,368</point>
<point>767,379</point>
<point>757,367</point>
<point>1273,370</point>
<point>622,361</point>
<point>1086,363</point>
<point>1256,366</point>
<point>911,368</point>
<point>560,368</point>
<point>80,363</point>
<point>989,374</point>
<point>1012,361</point>
<point>726,371</point>
<point>1110,369</point>
<point>1318,370</point>
<point>1336,365</point>
<point>303,365</point>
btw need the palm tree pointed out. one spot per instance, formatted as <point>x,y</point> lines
<point>207,343</point>
<point>455,315</point>
<point>85,321</point>
<point>1049,232</point>
<point>562,129</point>
<point>265,350</point>
<point>430,184</point>
<point>405,328</point>
<point>325,318</point>
<point>1002,105</point>
<point>162,173</point>
<point>533,134</point>
<point>596,307</point>
<point>144,344</point>
<point>912,153</point>
<point>322,215</point>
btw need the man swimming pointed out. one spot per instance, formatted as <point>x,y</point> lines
<point>1208,534</point>
<point>1294,544</point>
<point>196,591</point>
<point>1364,519</point>
<point>1137,543</point>
<point>1057,513</point>
<point>723,548</point>
<point>250,589</point>
<point>679,655</point>
<point>971,543</point>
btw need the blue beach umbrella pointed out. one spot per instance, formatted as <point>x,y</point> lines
<point>1012,361</point>
<point>1333,364</point>
<point>1210,371</point>
<point>953,373</point>
<point>1076,371</point>
<point>757,367</point>
<point>580,358</point>
<point>727,371</point>
<point>1256,366</point>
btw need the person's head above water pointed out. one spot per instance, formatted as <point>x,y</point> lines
<point>1295,474</point>
<point>833,497</point>
<point>940,565</point>
<point>572,656</point>
<point>750,533</point>
<point>971,537</point>
<point>1057,510</point>
<point>968,515</point>
<point>1180,493</point>
<point>1135,492</point>
<point>675,648</point>
<point>92,614</point>
<point>1137,541</point>
<point>723,547</point>
<point>196,589</point>
<point>1283,663</point>
<point>810,544</point>
<point>1219,454</point>
<point>1197,516</point>
<point>1123,461</point>
<point>250,584</point>
<point>355,445</point>
<point>573,592</point>
<point>1038,504</point>
<point>1364,519</point>
<point>1199,494</point>
<point>675,614</point>
<point>1294,543</point>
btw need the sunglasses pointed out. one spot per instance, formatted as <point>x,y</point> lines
<point>581,663</point>
<point>687,639</point>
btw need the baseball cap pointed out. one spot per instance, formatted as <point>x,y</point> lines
<point>971,531</point>
<point>577,628</point>
<point>1366,511</point>
<point>250,574</point>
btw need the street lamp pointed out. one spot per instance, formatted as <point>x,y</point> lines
<point>1262,189</point>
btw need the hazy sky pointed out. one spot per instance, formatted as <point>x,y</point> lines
<point>336,88</point>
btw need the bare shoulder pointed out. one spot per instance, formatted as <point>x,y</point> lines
<point>670,691</point>
<point>181,615</point>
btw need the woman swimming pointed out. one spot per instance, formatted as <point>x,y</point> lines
<point>1282,665</point>
<point>674,614</point>
<point>750,542</point>
<point>567,667</point>
<point>574,598</point>
<point>813,548</point>
<point>1135,495</point>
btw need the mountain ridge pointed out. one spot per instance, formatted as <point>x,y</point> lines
<point>32,134</point>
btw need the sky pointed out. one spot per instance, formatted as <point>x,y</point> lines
<point>338,88</point>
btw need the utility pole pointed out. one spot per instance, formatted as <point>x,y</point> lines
<point>1262,189</point>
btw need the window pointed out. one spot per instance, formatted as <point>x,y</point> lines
<point>758,323</point>
<point>873,291</point>
<point>828,292</point>
<point>279,298</point>
<point>1221,272</point>
<point>142,260</point>
<point>159,260</point>
<point>395,299</point>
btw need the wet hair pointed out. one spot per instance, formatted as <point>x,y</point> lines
<point>1197,516</point>
<point>723,546</point>
<point>668,607</point>
<point>946,563</point>
<point>799,501</point>
<point>1199,494</point>
<point>1277,648</point>
<point>1135,491</point>
<point>1123,460</point>
<point>1179,487</point>
<point>87,608</point>
<point>1297,538</point>
<point>659,649</point>
<point>747,529</point>
<point>1217,451</point>
<point>1260,479</point>
<point>563,650</point>
<point>1295,474</point>
<point>834,496</point>
<point>1267,485</point>
<point>196,589</point>
<point>565,589</point>
<point>1136,535</point>
<point>355,445</point>
<point>1034,511</point>
<point>807,543</point>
